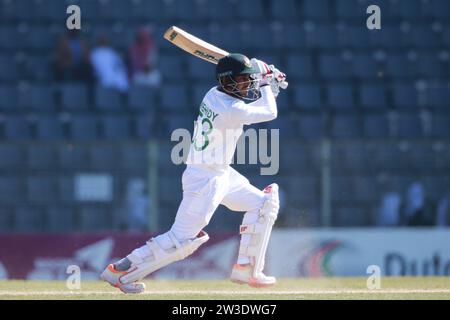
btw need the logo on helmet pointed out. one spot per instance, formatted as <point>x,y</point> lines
<point>247,62</point>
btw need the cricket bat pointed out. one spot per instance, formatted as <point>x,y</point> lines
<point>198,47</point>
<point>194,45</point>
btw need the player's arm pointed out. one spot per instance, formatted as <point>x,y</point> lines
<point>265,108</point>
<point>261,110</point>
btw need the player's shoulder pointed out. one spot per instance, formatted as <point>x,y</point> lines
<point>237,106</point>
<point>217,94</point>
<point>230,100</point>
<point>224,103</point>
<point>219,98</point>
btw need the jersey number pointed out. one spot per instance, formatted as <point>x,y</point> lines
<point>204,134</point>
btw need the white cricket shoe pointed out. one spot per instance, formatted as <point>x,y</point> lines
<point>244,274</point>
<point>112,276</point>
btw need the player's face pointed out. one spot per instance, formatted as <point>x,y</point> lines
<point>244,82</point>
<point>242,86</point>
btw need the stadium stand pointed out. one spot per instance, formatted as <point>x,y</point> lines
<point>381,98</point>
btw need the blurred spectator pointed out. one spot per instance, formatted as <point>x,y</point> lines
<point>108,65</point>
<point>137,205</point>
<point>142,59</point>
<point>389,212</point>
<point>418,210</point>
<point>71,60</point>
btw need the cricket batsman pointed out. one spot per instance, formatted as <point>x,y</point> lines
<point>245,94</point>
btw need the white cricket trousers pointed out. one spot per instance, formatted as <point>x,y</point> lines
<point>203,191</point>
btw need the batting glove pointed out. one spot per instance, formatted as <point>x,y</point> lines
<point>279,76</point>
<point>265,74</point>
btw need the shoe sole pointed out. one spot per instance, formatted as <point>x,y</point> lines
<point>120,287</point>
<point>130,292</point>
<point>253,284</point>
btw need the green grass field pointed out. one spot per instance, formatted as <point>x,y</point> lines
<point>286,289</point>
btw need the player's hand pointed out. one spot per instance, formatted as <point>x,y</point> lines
<point>275,87</point>
<point>265,75</point>
<point>261,66</point>
<point>270,75</point>
<point>279,76</point>
<point>278,80</point>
